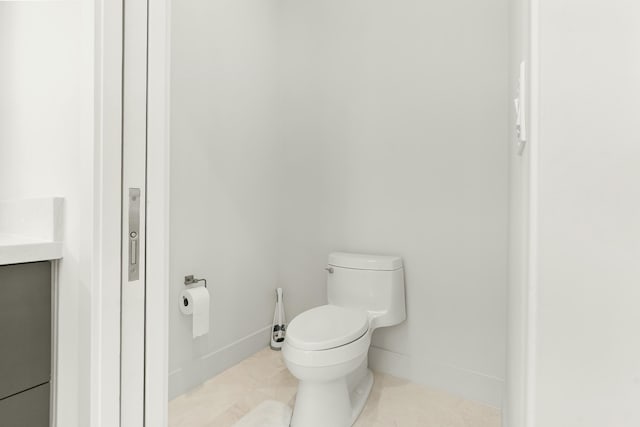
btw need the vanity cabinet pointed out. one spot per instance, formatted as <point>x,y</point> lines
<point>25,344</point>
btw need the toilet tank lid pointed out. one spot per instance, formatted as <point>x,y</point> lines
<point>365,262</point>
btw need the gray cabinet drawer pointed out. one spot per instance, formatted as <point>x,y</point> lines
<point>27,409</point>
<point>25,327</point>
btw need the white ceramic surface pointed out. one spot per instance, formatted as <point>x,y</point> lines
<point>365,262</point>
<point>326,327</point>
<point>324,354</point>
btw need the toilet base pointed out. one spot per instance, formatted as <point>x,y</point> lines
<point>360,395</point>
<point>336,403</point>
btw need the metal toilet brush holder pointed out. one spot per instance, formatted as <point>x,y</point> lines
<point>279,328</point>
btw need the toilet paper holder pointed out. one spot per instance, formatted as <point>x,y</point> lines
<point>191,280</point>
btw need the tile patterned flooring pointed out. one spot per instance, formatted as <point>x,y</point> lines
<point>224,399</point>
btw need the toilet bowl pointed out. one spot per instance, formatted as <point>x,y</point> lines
<point>326,348</point>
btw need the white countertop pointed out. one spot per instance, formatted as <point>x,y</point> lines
<point>30,230</point>
<point>19,249</point>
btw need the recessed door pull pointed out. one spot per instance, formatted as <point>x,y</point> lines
<point>134,234</point>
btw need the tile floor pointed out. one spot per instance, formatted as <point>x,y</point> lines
<point>223,400</point>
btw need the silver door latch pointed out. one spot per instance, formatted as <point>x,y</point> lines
<point>134,234</point>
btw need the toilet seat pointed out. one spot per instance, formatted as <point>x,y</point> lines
<point>327,336</point>
<point>355,350</point>
<point>327,327</point>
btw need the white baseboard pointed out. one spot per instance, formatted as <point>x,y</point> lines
<point>209,365</point>
<point>464,383</point>
<point>389,362</point>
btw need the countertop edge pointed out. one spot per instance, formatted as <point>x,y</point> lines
<point>30,252</point>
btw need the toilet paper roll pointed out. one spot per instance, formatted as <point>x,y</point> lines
<point>195,302</point>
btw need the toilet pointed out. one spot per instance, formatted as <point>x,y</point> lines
<point>326,347</point>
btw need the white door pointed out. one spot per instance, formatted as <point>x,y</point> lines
<point>134,199</point>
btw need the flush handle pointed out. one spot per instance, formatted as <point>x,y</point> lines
<point>134,234</point>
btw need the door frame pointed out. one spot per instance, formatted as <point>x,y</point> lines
<point>158,213</point>
<point>105,309</point>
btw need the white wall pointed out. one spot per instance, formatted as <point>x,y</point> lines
<point>224,180</point>
<point>394,120</point>
<point>46,148</point>
<point>588,352</point>
<point>302,127</point>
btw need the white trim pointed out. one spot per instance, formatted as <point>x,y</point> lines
<point>389,362</point>
<point>465,383</point>
<point>532,238</point>
<point>105,303</point>
<point>211,364</point>
<point>259,333</point>
<point>157,306</point>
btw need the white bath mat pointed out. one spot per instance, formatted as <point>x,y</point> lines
<point>267,414</point>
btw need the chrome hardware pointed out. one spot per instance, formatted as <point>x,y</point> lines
<point>330,270</point>
<point>191,280</point>
<point>134,234</point>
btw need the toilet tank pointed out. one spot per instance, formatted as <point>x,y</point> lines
<point>372,283</point>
